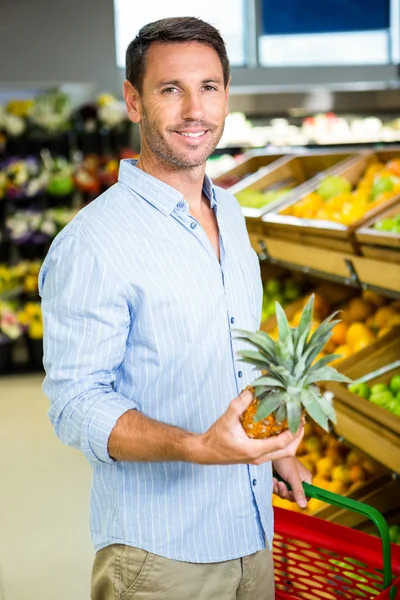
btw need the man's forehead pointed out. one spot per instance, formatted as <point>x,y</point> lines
<point>170,63</point>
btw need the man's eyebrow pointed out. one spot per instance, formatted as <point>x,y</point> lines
<point>178,82</point>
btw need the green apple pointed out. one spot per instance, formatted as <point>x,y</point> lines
<point>333,186</point>
<point>250,198</point>
<point>381,398</point>
<point>272,287</point>
<point>392,406</point>
<point>270,308</point>
<point>382,183</point>
<point>291,291</point>
<point>361,389</point>
<point>264,314</point>
<point>378,388</point>
<point>395,384</point>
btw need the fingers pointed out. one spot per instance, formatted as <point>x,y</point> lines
<point>281,446</point>
<point>297,488</point>
<point>240,404</point>
<point>279,489</point>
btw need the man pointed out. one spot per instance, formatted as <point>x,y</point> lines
<point>141,296</point>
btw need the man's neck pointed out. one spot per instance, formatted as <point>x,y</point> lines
<point>187,181</point>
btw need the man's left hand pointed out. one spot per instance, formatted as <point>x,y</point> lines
<point>292,471</point>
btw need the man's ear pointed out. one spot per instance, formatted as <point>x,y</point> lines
<point>132,101</point>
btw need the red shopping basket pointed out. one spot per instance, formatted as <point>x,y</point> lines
<point>318,560</point>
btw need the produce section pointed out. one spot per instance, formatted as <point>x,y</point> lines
<point>359,276</point>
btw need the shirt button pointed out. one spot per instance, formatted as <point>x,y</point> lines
<point>232,320</point>
<point>193,225</point>
<point>181,204</point>
<point>254,482</point>
<point>240,374</point>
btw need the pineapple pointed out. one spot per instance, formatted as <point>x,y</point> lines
<point>286,390</point>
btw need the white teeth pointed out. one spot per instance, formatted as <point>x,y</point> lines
<point>193,134</point>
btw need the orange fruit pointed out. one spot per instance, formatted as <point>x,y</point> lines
<point>339,333</point>
<point>307,205</point>
<point>323,214</point>
<point>383,316</point>
<point>359,309</point>
<point>337,487</point>
<point>357,474</point>
<point>345,350</point>
<point>351,212</point>
<point>336,203</point>
<point>288,212</point>
<point>394,166</point>
<point>356,333</point>
<point>362,343</point>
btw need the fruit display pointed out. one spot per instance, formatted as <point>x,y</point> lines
<point>381,394</point>
<point>251,198</point>
<point>389,224</point>
<point>364,319</point>
<point>282,291</point>
<point>335,466</point>
<point>336,200</point>
<point>287,388</point>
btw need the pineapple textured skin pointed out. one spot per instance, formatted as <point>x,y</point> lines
<point>286,391</point>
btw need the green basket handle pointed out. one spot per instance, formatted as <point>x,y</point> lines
<point>374,515</point>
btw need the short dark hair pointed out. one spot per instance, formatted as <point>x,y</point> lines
<point>176,30</point>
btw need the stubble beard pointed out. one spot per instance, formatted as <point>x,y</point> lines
<point>175,159</point>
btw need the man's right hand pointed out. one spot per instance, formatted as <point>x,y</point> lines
<point>226,442</point>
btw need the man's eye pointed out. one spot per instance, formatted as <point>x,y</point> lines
<point>210,88</point>
<point>169,90</point>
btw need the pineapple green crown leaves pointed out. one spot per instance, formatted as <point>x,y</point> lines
<point>287,385</point>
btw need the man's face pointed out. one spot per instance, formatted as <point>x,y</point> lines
<point>183,104</point>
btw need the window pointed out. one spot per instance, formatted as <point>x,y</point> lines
<point>227,15</point>
<point>311,32</point>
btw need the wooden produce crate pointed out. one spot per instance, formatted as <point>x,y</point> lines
<point>383,245</point>
<point>383,350</point>
<point>251,166</point>
<point>382,493</point>
<point>324,233</point>
<point>290,171</point>
<point>371,428</point>
<point>334,293</point>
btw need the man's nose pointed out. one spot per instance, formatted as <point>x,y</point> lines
<point>193,106</point>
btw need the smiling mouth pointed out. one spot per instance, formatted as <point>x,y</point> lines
<point>191,134</point>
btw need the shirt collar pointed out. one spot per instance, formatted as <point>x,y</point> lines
<point>161,195</point>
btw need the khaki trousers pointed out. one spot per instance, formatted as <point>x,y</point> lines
<point>124,573</point>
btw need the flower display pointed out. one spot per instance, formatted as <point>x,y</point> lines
<point>30,227</point>
<point>30,318</point>
<point>111,111</point>
<point>51,112</point>
<point>10,326</point>
<point>23,178</point>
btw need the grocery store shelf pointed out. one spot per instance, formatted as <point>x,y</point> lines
<point>380,443</point>
<point>357,271</point>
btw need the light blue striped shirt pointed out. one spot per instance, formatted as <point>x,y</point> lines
<point>138,314</point>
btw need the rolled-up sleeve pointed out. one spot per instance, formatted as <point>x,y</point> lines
<point>86,317</point>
